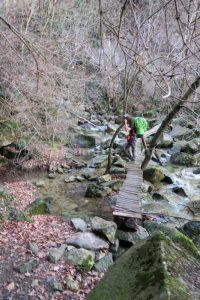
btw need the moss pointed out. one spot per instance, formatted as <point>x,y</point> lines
<point>38,207</point>
<point>87,263</point>
<point>173,284</point>
<point>185,242</point>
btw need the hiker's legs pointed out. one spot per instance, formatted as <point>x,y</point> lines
<point>133,147</point>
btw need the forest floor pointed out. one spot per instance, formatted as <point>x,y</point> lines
<point>14,239</point>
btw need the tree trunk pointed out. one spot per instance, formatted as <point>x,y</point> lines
<point>111,146</point>
<point>168,120</point>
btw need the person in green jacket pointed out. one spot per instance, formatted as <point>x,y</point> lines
<point>136,127</point>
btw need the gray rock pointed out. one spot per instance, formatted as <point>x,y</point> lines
<point>51,176</point>
<point>104,263</point>
<point>196,171</point>
<point>60,170</point>
<point>39,183</point>
<point>94,190</point>
<point>115,185</point>
<point>89,173</point>
<point>85,140</point>
<point>81,258</point>
<point>165,141</point>
<point>119,162</point>
<point>33,247</point>
<point>26,267</point>
<point>183,159</point>
<point>51,244</point>
<point>56,254</point>
<point>80,178</point>
<point>79,224</point>
<point>114,247</point>
<point>117,170</point>
<point>193,146</point>
<point>87,240</point>
<point>132,237</point>
<point>72,284</point>
<point>5,143</point>
<point>181,133</point>
<point>106,228</point>
<point>70,179</point>
<point>99,161</point>
<point>104,178</point>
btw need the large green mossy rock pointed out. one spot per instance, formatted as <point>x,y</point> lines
<point>39,207</point>
<point>153,175</point>
<point>184,159</point>
<point>157,268</point>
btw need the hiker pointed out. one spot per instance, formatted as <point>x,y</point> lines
<point>136,127</point>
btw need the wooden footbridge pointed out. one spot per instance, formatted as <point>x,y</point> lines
<point>128,200</point>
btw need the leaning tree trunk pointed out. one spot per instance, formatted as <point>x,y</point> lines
<point>110,148</point>
<point>167,121</point>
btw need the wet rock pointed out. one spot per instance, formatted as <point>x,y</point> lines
<point>183,159</point>
<point>180,191</point>
<point>196,171</point>
<point>165,141</point>
<point>33,247</point>
<point>142,272</point>
<point>56,254</point>
<point>154,175</point>
<point>81,258</point>
<point>87,240</point>
<point>26,267</point>
<point>72,284</point>
<point>38,207</point>
<point>106,228</point>
<point>104,263</point>
<point>132,237</point>
<point>79,224</point>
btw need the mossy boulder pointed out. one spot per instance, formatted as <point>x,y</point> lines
<point>153,269</point>
<point>95,190</point>
<point>153,175</point>
<point>39,207</point>
<point>82,258</point>
<point>165,141</point>
<point>192,229</point>
<point>183,159</point>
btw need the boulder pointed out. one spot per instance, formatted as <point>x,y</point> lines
<point>117,170</point>
<point>153,269</point>
<point>181,133</point>
<point>165,141</point>
<point>115,185</point>
<point>132,237</point>
<point>104,263</point>
<point>39,207</point>
<point>94,190</point>
<point>87,240</point>
<point>5,143</point>
<point>153,175</point>
<point>100,161</point>
<point>193,146</point>
<point>85,140</point>
<point>104,178</point>
<point>106,228</point>
<point>56,254</point>
<point>183,159</point>
<point>119,162</point>
<point>79,224</point>
<point>81,258</point>
<point>72,284</point>
<point>89,173</point>
<point>192,230</point>
<point>70,179</point>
